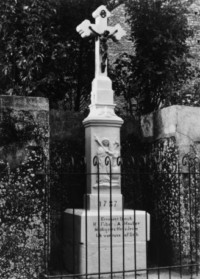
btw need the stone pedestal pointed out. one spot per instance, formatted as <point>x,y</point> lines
<point>90,247</point>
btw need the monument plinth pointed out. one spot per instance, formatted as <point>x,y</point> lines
<point>104,237</point>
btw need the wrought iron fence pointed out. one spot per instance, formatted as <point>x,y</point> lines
<point>158,181</point>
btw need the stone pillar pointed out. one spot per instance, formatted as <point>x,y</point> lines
<point>24,155</point>
<point>175,136</point>
<point>181,122</point>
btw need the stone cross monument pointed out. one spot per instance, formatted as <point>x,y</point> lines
<point>102,126</point>
<point>88,231</point>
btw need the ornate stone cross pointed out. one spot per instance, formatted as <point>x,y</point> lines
<point>102,32</point>
<point>103,200</point>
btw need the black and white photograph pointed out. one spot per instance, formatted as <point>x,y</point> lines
<point>99,139</point>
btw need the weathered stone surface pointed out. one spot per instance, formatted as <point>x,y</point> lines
<point>95,134</point>
<point>135,225</point>
<point>133,235</point>
<point>147,126</point>
<point>183,122</point>
<point>24,103</point>
<point>103,201</point>
<point>180,122</point>
<point>105,259</point>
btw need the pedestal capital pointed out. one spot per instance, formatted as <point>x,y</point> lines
<point>101,115</point>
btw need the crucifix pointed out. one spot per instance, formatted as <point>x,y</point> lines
<point>102,33</point>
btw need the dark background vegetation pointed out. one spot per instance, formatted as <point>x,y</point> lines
<point>41,53</point>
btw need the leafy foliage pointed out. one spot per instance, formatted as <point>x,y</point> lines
<point>23,197</point>
<point>38,56</point>
<point>41,53</point>
<point>159,65</point>
<point>124,85</point>
<point>25,37</point>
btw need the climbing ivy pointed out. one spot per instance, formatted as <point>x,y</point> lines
<point>23,195</point>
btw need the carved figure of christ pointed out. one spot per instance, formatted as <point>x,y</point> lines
<point>102,32</point>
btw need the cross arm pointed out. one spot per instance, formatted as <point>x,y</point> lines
<point>117,32</point>
<point>84,28</point>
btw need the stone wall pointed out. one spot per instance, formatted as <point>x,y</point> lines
<point>24,157</point>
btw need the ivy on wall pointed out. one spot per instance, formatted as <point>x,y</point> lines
<point>23,195</point>
<point>158,179</point>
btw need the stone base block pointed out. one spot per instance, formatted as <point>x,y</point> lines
<point>90,247</point>
<point>96,258</point>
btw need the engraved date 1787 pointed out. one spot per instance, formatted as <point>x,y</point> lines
<point>107,203</point>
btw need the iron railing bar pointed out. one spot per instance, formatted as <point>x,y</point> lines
<point>73,230</point>
<point>123,239</point>
<point>48,173</point>
<point>190,219</point>
<point>134,234</point>
<point>99,229</point>
<point>122,173</point>
<point>135,248</point>
<point>168,204</point>
<point>146,237</point>
<point>158,273</point>
<point>195,216</point>
<point>170,273</point>
<point>86,238</point>
<point>75,174</point>
<point>111,231</point>
<point>180,246</point>
<point>121,271</point>
<point>157,236</point>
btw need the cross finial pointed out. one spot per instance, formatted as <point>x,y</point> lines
<point>102,32</point>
